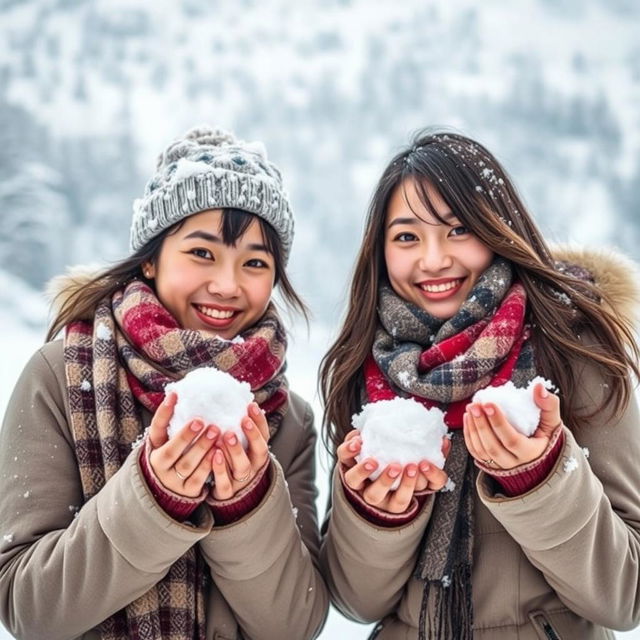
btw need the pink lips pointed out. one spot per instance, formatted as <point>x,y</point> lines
<point>218,323</point>
<point>440,295</point>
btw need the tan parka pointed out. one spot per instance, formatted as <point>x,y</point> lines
<point>65,566</point>
<point>560,562</point>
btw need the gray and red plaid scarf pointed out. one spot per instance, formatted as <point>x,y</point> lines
<point>443,363</point>
<point>126,355</point>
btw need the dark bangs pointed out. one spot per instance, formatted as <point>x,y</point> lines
<point>235,223</point>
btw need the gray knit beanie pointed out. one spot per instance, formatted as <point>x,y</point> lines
<point>211,169</point>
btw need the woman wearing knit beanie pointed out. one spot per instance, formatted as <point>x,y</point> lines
<point>130,534</point>
<point>517,537</point>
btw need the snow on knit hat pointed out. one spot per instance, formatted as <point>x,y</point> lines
<point>210,169</point>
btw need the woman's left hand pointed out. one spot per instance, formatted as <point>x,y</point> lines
<point>492,440</point>
<point>234,468</point>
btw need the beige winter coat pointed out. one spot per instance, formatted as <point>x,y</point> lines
<point>562,561</point>
<point>65,566</point>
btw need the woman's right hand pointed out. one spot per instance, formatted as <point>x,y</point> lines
<point>378,493</point>
<point>183,463</point>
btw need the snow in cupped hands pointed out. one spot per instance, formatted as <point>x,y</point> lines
<point>212,395</point>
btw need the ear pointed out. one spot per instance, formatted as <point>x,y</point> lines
<point>148,270</point>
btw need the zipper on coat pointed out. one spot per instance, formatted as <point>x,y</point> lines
<point>540,620</point>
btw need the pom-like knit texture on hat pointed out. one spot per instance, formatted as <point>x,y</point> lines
<point>210,169</point>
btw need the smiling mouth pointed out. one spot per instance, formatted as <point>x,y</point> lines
<point>442,286</point>
<point>216,317</point>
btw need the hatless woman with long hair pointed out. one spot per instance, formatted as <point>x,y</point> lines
<point>455,290</point>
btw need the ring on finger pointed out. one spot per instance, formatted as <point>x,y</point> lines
<point>488,462</point>
<point>244,478</point>
<point>183,478</point>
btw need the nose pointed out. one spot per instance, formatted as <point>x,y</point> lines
<point>223,283</point>
<point>435,257</point>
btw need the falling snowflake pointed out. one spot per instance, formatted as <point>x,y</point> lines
<point>570,464</point>
<point>449,486</point>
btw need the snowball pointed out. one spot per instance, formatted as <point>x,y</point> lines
<point>213,395</point>
<point>400,430</point>
<point>517,404</point>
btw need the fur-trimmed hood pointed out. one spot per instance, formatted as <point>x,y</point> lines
<point>614,274</point>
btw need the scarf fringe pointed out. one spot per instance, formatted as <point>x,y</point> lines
<point>450,615</point>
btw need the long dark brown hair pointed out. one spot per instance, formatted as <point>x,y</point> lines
<point>483,198</point>
<point>80,303</point>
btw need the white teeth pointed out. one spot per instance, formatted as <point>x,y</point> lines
<point>215,313</point>
<point>437,288</point>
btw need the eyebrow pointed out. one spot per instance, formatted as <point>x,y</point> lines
<point>447,217</point>
<point>210,237</point>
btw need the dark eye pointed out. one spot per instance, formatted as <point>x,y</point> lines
<point>405,236</point>
<point>459,231</point>
<point>202,253</point>
<point>256,263</point>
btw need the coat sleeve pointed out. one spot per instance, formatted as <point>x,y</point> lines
<point>581,526</point>
<point>366,566</point>
<point>265,564</point>
<point>66,566</point>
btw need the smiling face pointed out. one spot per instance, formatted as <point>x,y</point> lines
<point>211,286</point>
<point>431,264</point>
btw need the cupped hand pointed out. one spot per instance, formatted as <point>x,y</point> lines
<point>492,440</point>
<point>234,468</point>
<point>183,463</point>
<point>378,493</point>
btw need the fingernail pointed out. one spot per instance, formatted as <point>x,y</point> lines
<point>254,409</point>
<point>544,392</point>
<point>489,410</point>
<point>475,412</point>
<point>424,467</point>
<point>353,446</point>
<point>412,471</point>
<point>248,425</point>
<point>218,457</point>
<point>212,433</point>
<point>197,425</point>
<point>393,472</point>
<point>232,440</point>
<point>369,466</point>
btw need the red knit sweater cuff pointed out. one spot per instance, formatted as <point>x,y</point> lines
<point>245,501</point>
<point>520,480</point>
<point>377,516</point>
<point>177,506</point>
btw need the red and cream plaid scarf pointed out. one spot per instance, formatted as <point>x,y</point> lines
<point>125,356</point>
<point>443,364</point>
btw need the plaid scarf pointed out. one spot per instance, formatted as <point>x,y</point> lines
<point>130,350</point>
<point>443,363</point>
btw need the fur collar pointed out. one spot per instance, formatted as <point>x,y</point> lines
<point>616,275</point>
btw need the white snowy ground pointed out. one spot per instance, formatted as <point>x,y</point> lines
<point>18,342</point>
